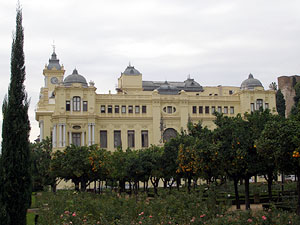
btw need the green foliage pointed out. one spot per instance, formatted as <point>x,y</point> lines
<point>295,108</point>
<point>280,103</point>
<point>40,163</point>
<point>15,183</point>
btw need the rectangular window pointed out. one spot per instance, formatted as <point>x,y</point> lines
<point>194,109</point>
<point>117,139</point>
<point>259,103</point>
<point>137,109</point>
<point>85,106</point>
<point>144,109</point>
<point>266,105</point>
<point>231,110</point>
<point>130,136</point>
<point>123,108</point>
<point>76,103</point>
<point>76,139</point>
<point>117,109</point>
<point>103,139</point>
<point>169,109</point>
<point>230,92</point>
<point>206,109</point>
<point>201,109</point>
<point>252,107</point>
<point>109,109</point>
<point>68,106</point>
<point>102,109</point>
<point>130,109</point>
<point>225,109</point>
<point>144,134</point>
<point>219,109</point>
<point>213,109</point>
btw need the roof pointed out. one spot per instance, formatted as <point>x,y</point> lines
<point>130,70</point>
<point>53,62</point>
<point>250,83</point>
<point>75,78</point>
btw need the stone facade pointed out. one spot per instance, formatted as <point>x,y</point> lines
<point>285,84</point>
<point>140,113</point>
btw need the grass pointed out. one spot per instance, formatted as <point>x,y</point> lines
<point>30,218</point>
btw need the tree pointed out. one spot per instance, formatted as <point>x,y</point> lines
<point>295,108</point>
<point>280,103</point>
<point>273,86</point>
<point>16,178</point>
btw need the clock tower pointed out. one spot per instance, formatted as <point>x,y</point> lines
<point>54,73</point>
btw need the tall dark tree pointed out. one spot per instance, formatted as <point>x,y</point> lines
<point>295,109</point>
<point>15,183</point>
<point>280,103</point>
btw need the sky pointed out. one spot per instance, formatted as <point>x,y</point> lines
<point>216,42</point>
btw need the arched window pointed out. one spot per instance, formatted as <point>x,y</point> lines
<point>259,103</point>
<point>76,103</point>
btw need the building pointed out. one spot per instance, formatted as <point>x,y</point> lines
<point>286,85</point>
<point>140,113</point>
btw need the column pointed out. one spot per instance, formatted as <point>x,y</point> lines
<point>54,136</point>
<point>41,130</point>
<point>60,135</point>
<point>64,135</point>
<point>89,133</point>
<point>82,138</point>
<point>70,137</point>
<point>93,133</point>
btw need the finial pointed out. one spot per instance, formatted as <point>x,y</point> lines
<point>53,46</point>
<point>129,64</point>
<point>189,76</point>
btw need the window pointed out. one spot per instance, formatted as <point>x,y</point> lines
<point>137,109</point>
<point>144,109</point>
<point>123,108</point>
<point>144,134</point>
<point>102,108</point>
<point>76,103</point>
<point>252,107</point>
<point>169,109</point>
<point>130,136</point>
<point>230,92</point>
<point>130,109</point>
<point>109,109</point>
<point>201,109</point>
<point>103,139</point>
<point>259,103</point>
<point>117,109</point>
<point>194,109</point>
<point>85,106</point>
<point>231,110</point>
<point>117,139</point>
<point>68,106</point>
<point>76,138</point>
<point>213,109</point>
<point>266,105</point>
<point>219,109</point>
<point>225,109</point>
<point>206,109</point>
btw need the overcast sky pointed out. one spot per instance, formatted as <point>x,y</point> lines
<point>216,42</point>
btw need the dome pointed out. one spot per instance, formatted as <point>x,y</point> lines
<point>75,78</point>
<point>130,70</point>
<point>53,62</point>
<point>167,89</point>
<point>250,83</point>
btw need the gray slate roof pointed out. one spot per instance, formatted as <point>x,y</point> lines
<point>53,62</point>
<point>250,83</point>
<point>130,70</point>
<point>75,78</point>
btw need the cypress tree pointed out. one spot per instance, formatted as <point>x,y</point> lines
<point>280,103</point>
<point>15,183</point>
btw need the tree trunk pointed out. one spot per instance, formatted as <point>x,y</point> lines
<point>247,199</point>
<point>177,183</point>
<point>236,192</point>
<point>83,186</point>
<point>298,192</point>
<point>189,184</point>
<point>53,188</point>
<point>270,181</point>
<point>76,185</point>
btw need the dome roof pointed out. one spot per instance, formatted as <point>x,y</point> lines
<point>191,85</point>
<point>53,62</point>
<point>168,89</point>
<point>250,83</point>
<point>130,70</point>
<point>75,78</point>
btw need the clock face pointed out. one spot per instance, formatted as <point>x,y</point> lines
<point>54,80</point>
